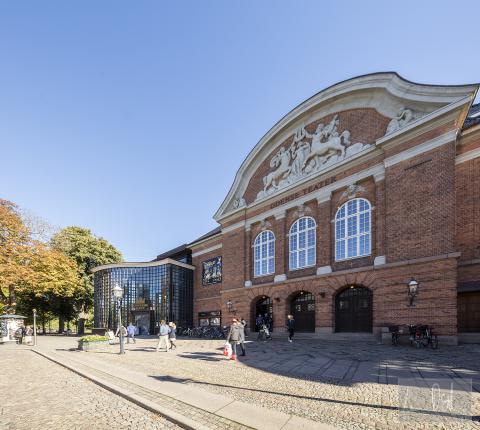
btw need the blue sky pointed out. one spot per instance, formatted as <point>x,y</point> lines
<point>132,118</point>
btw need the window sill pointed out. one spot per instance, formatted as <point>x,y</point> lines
<point>353,258</point>
<point>302,268</point>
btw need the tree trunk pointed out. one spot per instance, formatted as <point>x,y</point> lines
<point>61,324</point>
<point>81,326</point>
<point>43,324</point>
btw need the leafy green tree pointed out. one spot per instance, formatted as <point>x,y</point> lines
<point>88,251</point>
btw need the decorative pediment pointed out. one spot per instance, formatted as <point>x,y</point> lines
<point>341,122</point>
<point>308,154</point>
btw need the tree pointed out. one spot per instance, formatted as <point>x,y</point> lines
<point>15,255</point>
<point>88,251</point>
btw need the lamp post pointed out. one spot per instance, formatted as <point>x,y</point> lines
<point>34,327</point>
<point>118,294</point>
<point>412,291</point>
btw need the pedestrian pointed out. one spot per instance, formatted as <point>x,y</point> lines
<point>131,333</point>
<point>19,335</point>
<point>259,322</point>
<point>121,329</point>
<point>242,324</point>
<point>172,336</point>
<point>234,337</point>
<point>163,336</point>
<point>290,327</point>
<point>29,335</point>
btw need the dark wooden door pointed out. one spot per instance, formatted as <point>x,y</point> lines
<point>353,310</point>
<point>468,305</point>
<point>303,311</point>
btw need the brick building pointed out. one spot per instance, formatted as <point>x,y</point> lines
<point>364,187</point>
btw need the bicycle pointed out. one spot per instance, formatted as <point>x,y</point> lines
<point>422,335</point>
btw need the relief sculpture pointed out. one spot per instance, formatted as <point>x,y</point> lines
<point>308,153</point>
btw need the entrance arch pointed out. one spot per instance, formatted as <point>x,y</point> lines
<point>262,306</point>
<point>302,307</point>
<point>353,310</point>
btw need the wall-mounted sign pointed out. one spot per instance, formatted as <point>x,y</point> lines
<point>212,271</point>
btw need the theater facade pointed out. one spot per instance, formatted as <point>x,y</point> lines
<point>358,209</point>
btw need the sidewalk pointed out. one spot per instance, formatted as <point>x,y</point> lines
<point>190,407</point>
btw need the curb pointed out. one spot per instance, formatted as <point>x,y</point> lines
<point>171,416</point>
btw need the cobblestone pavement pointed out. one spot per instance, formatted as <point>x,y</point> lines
<point>43,395</point>
<point>350,385</point>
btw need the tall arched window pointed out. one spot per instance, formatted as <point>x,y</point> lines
<point>353,230</point>
<point>302,243</point>
<point>264,254</point>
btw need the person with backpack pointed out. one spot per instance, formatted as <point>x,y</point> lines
<point>163,336</point>
<point>290,327</point>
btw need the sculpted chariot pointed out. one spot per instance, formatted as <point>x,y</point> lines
<point>304,157</point>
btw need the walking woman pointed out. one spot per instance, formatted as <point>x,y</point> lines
<point>290,327</point>
<point>235,337</point>
<point>172,336</point>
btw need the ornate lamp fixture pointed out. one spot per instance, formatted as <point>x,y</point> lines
<point>412,291</point>
<point>231,307</point>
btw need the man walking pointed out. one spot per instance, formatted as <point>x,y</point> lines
<point>163,336</point>
<point>131,333</point>
<point>290,327</point>
<point>243,330</point>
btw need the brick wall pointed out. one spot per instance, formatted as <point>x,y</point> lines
<point>420,205</point>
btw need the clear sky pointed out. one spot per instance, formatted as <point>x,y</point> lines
<point>132,117</point>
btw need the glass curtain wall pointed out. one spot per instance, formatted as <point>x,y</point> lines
<point>151,294</point>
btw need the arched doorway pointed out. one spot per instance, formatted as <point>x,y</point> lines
<point>302,307</point>
<point>263,306</point>
<point>353,310</point>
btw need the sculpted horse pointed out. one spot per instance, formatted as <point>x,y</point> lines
<point>335,144</point>
<point>282,161</point>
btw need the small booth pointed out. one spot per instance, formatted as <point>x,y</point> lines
<point>9,325</point>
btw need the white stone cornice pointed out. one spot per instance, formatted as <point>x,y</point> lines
<point>420,149</point>
<point>207,250</point>
<point>379,177</point>
<point>470,155</point>
<point>280,215</point>
<point>324,198</point>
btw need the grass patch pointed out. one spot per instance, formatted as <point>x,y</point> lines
<point>93,338</point>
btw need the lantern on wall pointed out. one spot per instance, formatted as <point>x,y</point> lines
<point>412,291</point>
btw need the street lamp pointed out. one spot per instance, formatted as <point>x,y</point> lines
<point>412,291</point>
<point>34,327</point>
<point>118,294</point>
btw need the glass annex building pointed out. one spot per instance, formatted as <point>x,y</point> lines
<point>152,291</point>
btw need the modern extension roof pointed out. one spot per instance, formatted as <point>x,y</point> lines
<point>173,253</point>
<point>211,233</point>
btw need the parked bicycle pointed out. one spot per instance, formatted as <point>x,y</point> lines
<point>209,332</point>
<point>419,335</point>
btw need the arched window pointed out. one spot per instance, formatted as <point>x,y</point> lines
<point>302,243</point>
<point>353,230</point>
<point>264,254</point>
